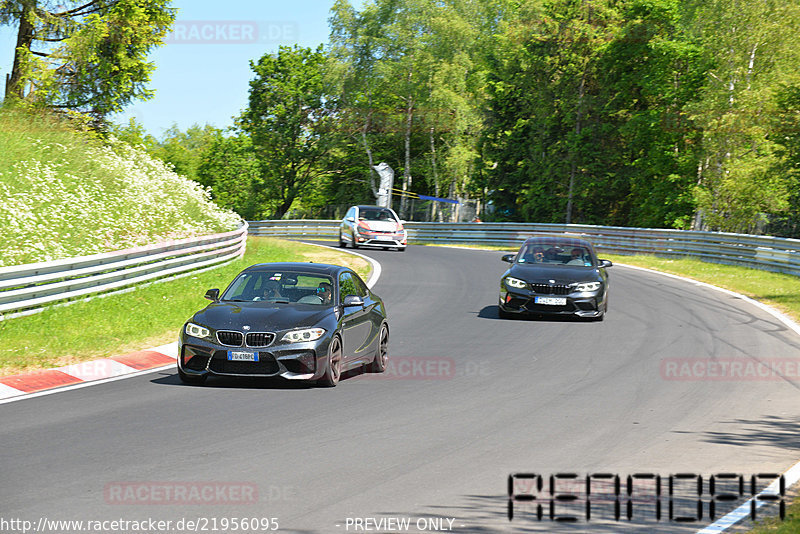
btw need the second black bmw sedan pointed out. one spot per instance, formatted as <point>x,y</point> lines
<point>299,321</point>
<point>555,275</point>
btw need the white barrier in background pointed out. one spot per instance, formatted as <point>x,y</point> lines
<point>27,288</point>
<point>759,252</point>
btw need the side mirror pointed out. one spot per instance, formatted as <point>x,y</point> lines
<point>350,219</point>
<point>604,263</point>
<point>508,258</point>
<point>212,294</point>
<point>353,300</point>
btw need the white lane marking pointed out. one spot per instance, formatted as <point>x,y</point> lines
<point>376,266</point>
<point>790,478</point>
<point>785,319</point>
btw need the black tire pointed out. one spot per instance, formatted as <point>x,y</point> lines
<point>342,244</point>
<point>191,379</point>
<point>333,370</point>
<point>401,249</point>
<point>353,242</point>
<point>382,356</point>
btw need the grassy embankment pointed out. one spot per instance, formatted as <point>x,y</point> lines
<point>65,193</point>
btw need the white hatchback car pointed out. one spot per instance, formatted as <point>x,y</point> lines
<point>372,226</point>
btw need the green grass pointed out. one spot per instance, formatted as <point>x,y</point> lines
<point>781,291</point>
<point>790,525</point>
<point>140,319</point>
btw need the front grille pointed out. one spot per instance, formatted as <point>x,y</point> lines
<point>547,289</point>
<point>229,338</point>
<point>259,339</point>
<point>265,366</point>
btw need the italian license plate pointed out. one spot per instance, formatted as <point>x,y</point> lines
<point>551,301</point>
<point>238,356</point>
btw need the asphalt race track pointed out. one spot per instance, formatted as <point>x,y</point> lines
<point>468,400</point>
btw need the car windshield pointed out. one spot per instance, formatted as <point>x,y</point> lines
<point>555,253</point>
<point>287,287</point>
<point>376,215</point>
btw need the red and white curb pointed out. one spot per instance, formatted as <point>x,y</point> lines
<point>78,374</point>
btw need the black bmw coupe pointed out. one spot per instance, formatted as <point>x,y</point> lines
<point>299,321</point>
<point>555,275</point>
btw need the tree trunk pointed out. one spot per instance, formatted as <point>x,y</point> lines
<point>434,205</point>
<point>369,157</point>
<point>407,166</point>
<point>573,164</point>
<point>16,86</point>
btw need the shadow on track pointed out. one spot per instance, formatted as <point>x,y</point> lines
<point>492,312</point>
<point>224,382</point>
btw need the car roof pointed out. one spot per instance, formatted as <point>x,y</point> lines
<point>308,267</point>
<point>561,239</point>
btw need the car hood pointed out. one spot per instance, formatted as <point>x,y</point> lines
<point>381,226</point>
<point>559,273</point>
<point>260,316</point>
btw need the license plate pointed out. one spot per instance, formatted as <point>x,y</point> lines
<point>551,301</point>
<point>237,356</point>
<point>384,238</point>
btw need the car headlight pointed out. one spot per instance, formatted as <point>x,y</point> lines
<point>298,336</point>
<point>588,286</point>
<point>195,330</point>
<point>516,283</point>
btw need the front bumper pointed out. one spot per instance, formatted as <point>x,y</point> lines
<point>296,361</point>
<point>579,304</point>
<point>398,240</point>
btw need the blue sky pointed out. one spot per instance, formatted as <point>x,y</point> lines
<point>202,73</point>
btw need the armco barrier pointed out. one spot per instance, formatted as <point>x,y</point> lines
<point>27,288</point>
<point>759,252</point>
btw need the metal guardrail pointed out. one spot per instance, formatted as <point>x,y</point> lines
<point>27,288</point>
<point>758,252</point>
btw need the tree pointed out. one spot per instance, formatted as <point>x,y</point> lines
<point>230,168</point>
<point>288,120</point>
<point>84,56</point>
<point>751,46</point>
<point>410,83</point>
